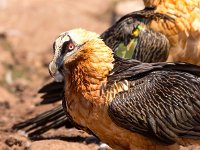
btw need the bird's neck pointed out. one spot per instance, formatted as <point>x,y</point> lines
<point>151,3</point>
<point>88,74</point>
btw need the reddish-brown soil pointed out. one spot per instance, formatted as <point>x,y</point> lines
<point>27,31</point>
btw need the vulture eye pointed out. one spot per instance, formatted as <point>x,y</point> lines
<point>70,46</point>
<point>67,47</point>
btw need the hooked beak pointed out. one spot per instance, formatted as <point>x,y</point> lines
<point>53,68</point>
<point>54,72</point>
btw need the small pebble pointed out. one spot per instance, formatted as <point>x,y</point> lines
<point>12,141</point>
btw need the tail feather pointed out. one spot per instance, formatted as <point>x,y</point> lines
<point>62,121</point>
<point>52,119</point>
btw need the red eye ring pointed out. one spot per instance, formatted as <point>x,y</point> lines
<point>71,46</point>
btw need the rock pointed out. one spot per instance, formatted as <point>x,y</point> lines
<point>191,147</point>
<point>104,146</point>
<point>13,141</point>
<point>4,105</point>
<point>57,145</point>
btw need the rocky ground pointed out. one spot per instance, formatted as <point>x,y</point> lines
<point>27,31</point>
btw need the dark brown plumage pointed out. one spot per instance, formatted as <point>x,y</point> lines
<point>134,105</point>
<point>164,99</point>
<point>131,29</point>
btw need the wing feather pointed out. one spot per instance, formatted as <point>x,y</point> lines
<point>163,104</point>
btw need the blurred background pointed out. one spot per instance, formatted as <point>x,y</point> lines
<point>27,31</point>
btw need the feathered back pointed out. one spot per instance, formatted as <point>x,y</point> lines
<point>184,34</point>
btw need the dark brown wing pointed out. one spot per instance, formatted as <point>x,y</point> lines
<point>164,104</point>
<point>131,69</point>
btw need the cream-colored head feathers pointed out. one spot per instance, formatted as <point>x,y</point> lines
<point>79,36</point>
<point>86,44</point>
